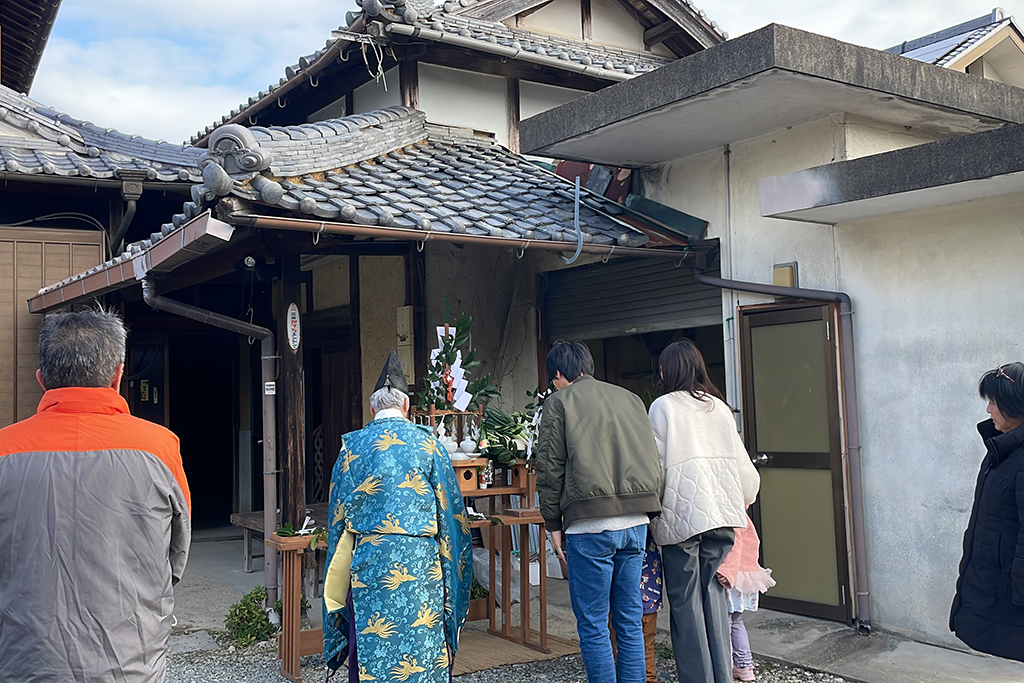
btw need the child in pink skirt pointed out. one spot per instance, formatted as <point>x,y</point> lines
<point>745,580</point>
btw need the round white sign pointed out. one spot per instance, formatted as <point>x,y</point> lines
<point>294,331</point>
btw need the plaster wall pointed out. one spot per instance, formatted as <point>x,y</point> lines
<point>331,284</point>
<point>462,98</point>
<point>930,318</point>
<point>377,95</point>
<point>381,292</point>
<point>558,18</point>
<point>923,336</point>
<point>537,97</point>
<point>499,291</point>
<point>864,137</point>
<point>612,25</point>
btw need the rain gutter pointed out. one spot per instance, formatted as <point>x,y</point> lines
<point>509,52</point>
<point>422,236</point>
<point>268,356</point>
<point>849,374</point>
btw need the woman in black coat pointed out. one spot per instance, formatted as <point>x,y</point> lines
<point>988,610</point>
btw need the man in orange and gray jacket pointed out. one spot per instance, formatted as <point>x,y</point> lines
<point>94,519</point>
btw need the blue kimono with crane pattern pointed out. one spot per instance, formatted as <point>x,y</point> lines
<point>397,513</point>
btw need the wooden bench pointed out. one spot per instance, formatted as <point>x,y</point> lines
<point>253,521</point>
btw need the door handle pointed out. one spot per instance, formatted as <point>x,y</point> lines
<point>761,459</point>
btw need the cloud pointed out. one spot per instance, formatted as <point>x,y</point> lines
<point>166,69</point>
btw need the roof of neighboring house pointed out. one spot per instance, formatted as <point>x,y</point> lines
<point>943,47</point>
<point>24,27</point>
<point>387,168</point>
<point>422,20</point>
<point>35,139</point>
<point>591,58</point>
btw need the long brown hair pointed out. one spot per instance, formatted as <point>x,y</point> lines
<point>683,369</point>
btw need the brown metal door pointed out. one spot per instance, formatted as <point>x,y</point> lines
<point>791,423</point>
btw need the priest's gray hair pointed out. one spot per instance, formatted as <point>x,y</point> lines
<point>388,397</point>
<point>81,348</point>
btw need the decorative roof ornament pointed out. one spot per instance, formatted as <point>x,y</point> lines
<point>235,149</point>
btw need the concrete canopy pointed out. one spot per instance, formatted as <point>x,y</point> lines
<point>761,82</point>
<point>939,173</point>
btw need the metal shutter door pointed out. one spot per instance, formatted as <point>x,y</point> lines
<point>629,296</point>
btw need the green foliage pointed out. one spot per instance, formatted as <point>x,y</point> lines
<point>505,434</point>
<point>476,591</point>
<point>481,388</point>
<point>247,622</point>
<point>286,531</point>
<point>304,606</point>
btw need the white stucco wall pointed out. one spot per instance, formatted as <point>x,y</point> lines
<point>377,94</point>
<point>610,24</point>
<point>462,98</point>
<point>535,98</point>
<point>559,18</point>
<point>930,290</point>
<point>927,287</point>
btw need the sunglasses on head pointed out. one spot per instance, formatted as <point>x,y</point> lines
<point>1002,373</point>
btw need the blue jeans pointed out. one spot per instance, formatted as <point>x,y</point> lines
<point>604,578</point>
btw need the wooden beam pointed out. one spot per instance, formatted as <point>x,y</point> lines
<point>291,410</point>
<point>586,14</point>
<point>409,83</point>
<point>354,371</point>
<point>683,16</point>
<point>500,10</point>
<point>666,29</point>
<point>512,100</point>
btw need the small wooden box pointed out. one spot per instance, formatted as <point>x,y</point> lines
<point>466,473</point>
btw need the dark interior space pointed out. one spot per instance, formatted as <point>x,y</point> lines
<point>632,362</point>
<point>202,378</point>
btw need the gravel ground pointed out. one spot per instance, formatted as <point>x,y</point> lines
<point>257,664</point>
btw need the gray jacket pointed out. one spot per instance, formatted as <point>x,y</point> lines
<point>596,455</point>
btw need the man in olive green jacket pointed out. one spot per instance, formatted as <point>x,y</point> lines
<point>599,476</point>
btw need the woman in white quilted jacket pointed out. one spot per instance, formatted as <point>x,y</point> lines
<point>709,482</point>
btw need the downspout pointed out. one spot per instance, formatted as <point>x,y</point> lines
<point>848,369</point>
<point>131,191</point>
<point>268,354</point>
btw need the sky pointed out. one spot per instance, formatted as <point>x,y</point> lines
<point>165,69</point>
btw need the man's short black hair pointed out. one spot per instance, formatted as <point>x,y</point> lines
<point>1004,386</point>
<point>572,359</point>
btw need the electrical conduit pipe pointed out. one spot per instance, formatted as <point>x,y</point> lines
<point>268,356</point>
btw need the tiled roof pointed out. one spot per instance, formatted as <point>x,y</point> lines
<point>521,43</point>
<point>390,168</point>
<point>607,62</point>
<point>943,48</point>
<point>468,6</point>
<point>38,140</point>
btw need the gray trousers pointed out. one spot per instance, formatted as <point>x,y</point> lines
<point>698,607</point>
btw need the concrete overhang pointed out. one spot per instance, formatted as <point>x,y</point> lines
<point>759,83</point>
<point>934,174</point>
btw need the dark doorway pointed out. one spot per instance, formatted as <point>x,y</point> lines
<point>202,381</point>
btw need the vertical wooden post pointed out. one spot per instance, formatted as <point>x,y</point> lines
<point>514,114</point>
<point>291,413</point>
<point>587,15</point>
<point>355,356</point>
<point>409,83</point>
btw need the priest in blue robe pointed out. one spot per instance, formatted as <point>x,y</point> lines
<point>399,555</point>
